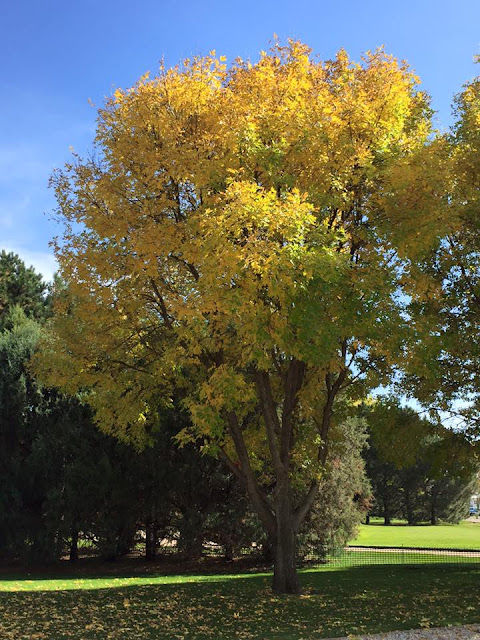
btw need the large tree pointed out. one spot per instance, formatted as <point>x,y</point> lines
<point>234,235</point>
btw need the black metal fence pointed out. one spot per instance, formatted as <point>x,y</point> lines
<point>358,555</point>
<point>347,556</point>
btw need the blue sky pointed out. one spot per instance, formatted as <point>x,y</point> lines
<point>58,55</point>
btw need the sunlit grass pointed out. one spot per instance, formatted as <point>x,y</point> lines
<point>465,535</point>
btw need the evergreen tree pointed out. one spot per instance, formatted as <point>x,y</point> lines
<point>21,285</point>
<point>344,493</point>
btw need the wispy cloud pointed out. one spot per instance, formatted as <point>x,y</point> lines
<point>26,164</point>
<point>23,162</point>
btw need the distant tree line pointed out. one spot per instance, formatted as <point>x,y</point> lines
<point>419,471</point>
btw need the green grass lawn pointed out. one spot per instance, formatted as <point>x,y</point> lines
<point>465,535</point>
<point>219,607</point>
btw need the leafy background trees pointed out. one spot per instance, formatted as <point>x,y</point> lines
<point>420,471</point>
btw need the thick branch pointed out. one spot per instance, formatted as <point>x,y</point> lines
<point>270,417</point>
<point>122,363</point>
<point>161,302</point>
<point>333,387</point>
<point>465,274</point>
<point>234,468</point>
<point>190,267</point>
<point>305,506</point>
<point>259,501</point>
<point>293,384</point>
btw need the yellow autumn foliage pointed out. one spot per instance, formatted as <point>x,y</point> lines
<point>234,220</point>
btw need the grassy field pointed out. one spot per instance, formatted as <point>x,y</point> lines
<point>335,602</point>
<point>465,535</point>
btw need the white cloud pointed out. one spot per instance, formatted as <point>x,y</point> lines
<point>42,261</point>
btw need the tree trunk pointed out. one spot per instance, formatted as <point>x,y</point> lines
<point>285,577</point>
<point>229,551</point>
<point>387,521</point>
<point>151,541</point>
<point>280,519</point>
<point>367,518</point>
<point>191,547</point>
<point>268,551</point>
<point>409,509</point>
<point>74,546</point>
<point>433,511</point>
<point>386,514</point>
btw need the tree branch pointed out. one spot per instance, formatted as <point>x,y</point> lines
<point>270,417</point>
<point>235,469</point>
<point>190,267</point>
<point>259,500</point>
<point>305,506</point>
<point>293,384</point>
<point>161,302</point>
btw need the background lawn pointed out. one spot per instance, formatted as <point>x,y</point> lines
<point>465,535</point>
<point>335,602</point>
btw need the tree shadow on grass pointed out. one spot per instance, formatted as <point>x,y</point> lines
<point>128,567</point>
